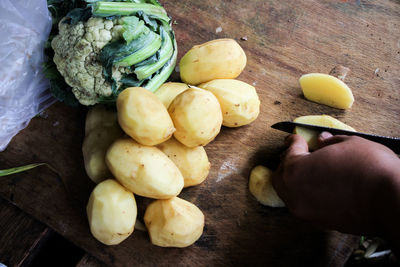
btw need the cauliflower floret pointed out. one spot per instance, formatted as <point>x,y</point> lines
<point>76,50</point>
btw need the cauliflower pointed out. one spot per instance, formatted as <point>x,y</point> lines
<point>76,50</point>
<point>98,56</point>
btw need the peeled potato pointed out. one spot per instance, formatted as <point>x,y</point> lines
<point>311,136</point>
<point>111,212</point>
<point>94,150</point>
<point>173,222</point>
<point>197,116</point>
<point>192,162</point>
<point>100,116</point>
<point>144,170</point>
<point>326,89</point>
<point>239,101</point>
<point>143,117</point>
<point>217,59</point>
<point>168,91</point>
<point>261,188</point>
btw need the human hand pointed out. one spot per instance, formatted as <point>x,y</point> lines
<point>350,184</point>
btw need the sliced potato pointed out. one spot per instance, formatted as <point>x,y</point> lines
<point>144,170</point>
<point>111,212</point>
<point>100,116</point>
<point>261,188</point>
<point>197,116</point>
<point>326,89</point>
<point>192,162</point>
<point>173,222</point>
<point>94,150</point>
<point>168,91</point>
<point>143,117</point>
<point>239,101</point>
<point>216,59</point>
<point>311,136</point>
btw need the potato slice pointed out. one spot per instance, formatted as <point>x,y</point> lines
<point>144,170</point>
<point>326,89</point>
<point>239,101</point>
<point>311,136</point>
<point>143,117</point>
<point>192,162</point>
<point>197,116</point>
<point>94,150</point>
<point>111,212</point>
<point>168,91</point>
<point>261,188</point>
<point>173,222</point>
<point>216,59</point>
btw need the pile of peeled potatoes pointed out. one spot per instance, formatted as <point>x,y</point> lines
<point>152,145</point>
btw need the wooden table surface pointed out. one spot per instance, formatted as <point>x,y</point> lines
<point>285,39</point>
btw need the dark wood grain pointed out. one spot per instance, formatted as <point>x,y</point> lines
<point>90,261</point>
<point>21,236</point>
<point>285,39</point>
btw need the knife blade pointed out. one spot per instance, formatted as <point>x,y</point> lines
<point>391,142</point>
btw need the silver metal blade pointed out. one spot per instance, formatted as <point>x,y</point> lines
<point>391,142</point>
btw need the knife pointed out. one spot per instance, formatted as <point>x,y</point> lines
<point>391,142</point>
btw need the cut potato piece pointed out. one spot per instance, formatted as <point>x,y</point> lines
<point>173,222</point>
<point>261,188</point>
<point>144,170</point>
<point>239,101</point>
<point>192,162</point>
<point>326,89</point>
<point>311,136</point>
<point>111,212</point>
<point>168,91</point>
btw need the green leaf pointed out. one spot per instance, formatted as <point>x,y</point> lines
<point>131,81</point>
<point>132,28</point>
<point>58,87</point>
<point>78,14</point>
<point>123,54</point>
<point>24,168</point>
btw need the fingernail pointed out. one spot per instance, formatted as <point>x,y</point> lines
<point>325,135</point>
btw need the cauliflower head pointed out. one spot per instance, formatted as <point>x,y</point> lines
<point>76,49</point>
<point>106,46</point>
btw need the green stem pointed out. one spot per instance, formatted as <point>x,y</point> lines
<point>149,48</point>
<point>160,78</point>
<point>107,9</point>
<point>166,52</point>
<point>24,168</point>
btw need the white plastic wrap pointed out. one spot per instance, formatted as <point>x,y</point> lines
<point>24,29</point>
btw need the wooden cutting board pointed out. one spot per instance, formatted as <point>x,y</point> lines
<point>283,39</point>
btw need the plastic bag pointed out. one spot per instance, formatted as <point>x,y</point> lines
<point>24,28</point>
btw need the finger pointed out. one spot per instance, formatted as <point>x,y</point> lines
<point>322,137</point>
<point>297,146</point>
<point>278,184</point>
<point>327,139</point>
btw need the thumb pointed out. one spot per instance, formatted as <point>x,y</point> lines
<point>327,139</point>
<point>297,146</point>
